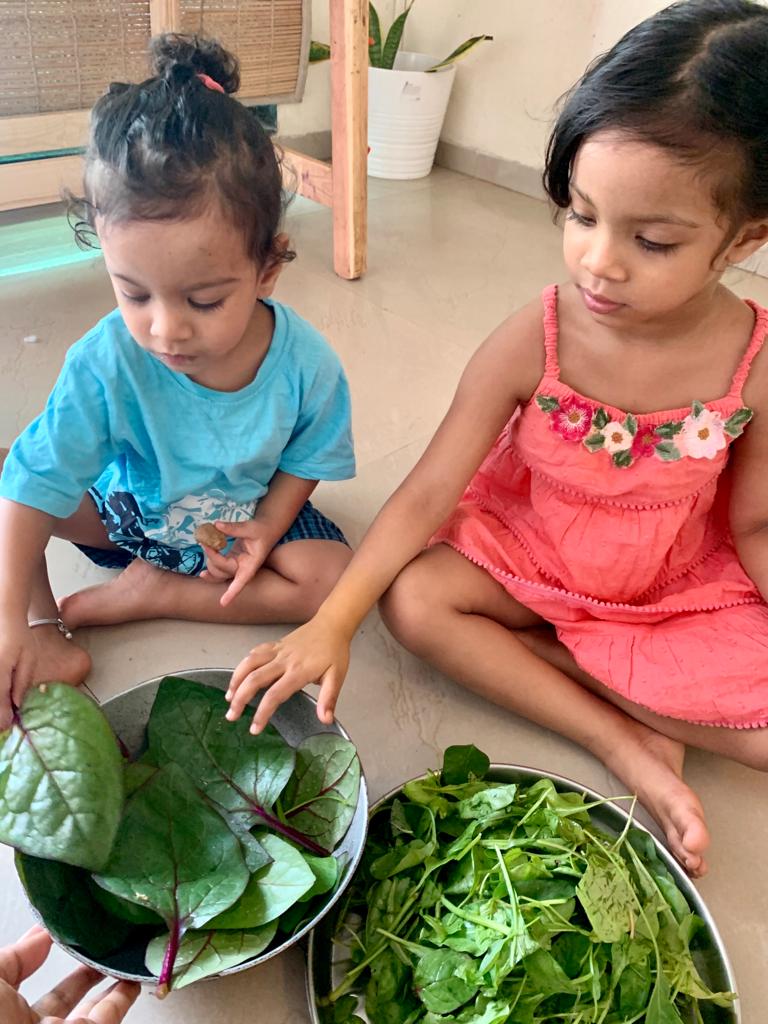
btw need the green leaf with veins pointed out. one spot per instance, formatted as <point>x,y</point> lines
<point>321,797</point>
<point>272,890</point>
<point>176,856</point>
<point>203,953</point>
<point>61,782</point>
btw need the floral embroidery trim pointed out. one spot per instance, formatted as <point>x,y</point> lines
<point>701,435</point>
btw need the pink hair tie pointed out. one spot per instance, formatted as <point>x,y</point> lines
<point>209,83</point>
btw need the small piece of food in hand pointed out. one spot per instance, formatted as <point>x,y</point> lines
<point>210,536</point>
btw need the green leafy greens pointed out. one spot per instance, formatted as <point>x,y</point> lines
<point>206,849</point>
<point>479,902</point>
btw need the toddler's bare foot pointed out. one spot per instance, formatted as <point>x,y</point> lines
<point>652,767</point>
<point>59,660</point>
<point>136,594</point>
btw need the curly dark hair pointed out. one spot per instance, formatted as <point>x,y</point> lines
<point>692,79</point>
<point>170,148</point>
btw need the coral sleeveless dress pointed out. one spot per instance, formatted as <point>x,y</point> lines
<point>614,528</point>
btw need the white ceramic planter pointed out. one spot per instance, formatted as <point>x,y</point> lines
<point>406,108</point>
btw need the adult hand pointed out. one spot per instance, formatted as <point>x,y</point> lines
<point>317,652</point>
<point>242,562</point>
<point>18,653</point>
<point>20,960</point>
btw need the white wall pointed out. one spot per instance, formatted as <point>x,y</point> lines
<point>505,90</point>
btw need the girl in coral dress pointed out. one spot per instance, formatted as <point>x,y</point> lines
<point>597,495</point>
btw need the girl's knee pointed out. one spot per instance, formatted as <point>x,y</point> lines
<point>410,607</point>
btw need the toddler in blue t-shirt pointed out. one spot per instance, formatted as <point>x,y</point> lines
<point>188,429</point>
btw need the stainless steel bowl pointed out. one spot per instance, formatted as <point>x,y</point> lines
<point>128,714</point>
<point>326,961</point>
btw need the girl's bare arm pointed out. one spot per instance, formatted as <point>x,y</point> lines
<point>502,373</point>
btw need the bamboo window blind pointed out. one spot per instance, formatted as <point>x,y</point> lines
<point>58,55</point>
<point>62,54</point>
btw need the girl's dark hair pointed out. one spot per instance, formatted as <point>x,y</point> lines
<point>693,79</point>
<point>172,148</point>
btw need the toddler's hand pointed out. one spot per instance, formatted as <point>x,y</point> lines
<point>18,653</point>
<point>313,653</point>
<point>244,560</point>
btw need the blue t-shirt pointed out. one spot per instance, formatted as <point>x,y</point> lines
<point>164,454</point>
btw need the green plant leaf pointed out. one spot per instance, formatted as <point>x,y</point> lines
<point>61,778</point>
<point>124,909</point>
<point>374,37</point>
<point>630,424</point>
<point>488,801</point>
<point>241,773</point>
<point>697,408</point>
<point>176,856</point>
<point>394,38</point>
<point>601,419</point>
<point>445,980</point>
<point>63,897</point>
<point>318,52</point>
<point>321,797</point>
<point>462,763</point>
<point>326,872</point>
<point>234,768</point>
<point>272,890</point>
<point>461,51</point>
<point>135,774</point>
<point>203,953</point>
<point>608,900</point>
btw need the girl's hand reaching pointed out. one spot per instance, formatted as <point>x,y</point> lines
<point>317,652</point>
<point>245,558</point>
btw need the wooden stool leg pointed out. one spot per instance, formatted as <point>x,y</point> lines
<point>349,130</point>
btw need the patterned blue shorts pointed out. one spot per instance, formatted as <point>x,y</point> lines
<point>309,524</point>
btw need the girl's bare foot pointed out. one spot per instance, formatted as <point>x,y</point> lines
<point>652,767</point>
<point>137,593</point>
<point>59,660</point>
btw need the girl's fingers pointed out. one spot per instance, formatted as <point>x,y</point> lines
<point>68,993</point>
<point>110,1007</point>
<point>247,690</point>
<point>330,687</point>
<point>19,961</point>
<point>276,695</point>
<point>258,656</point>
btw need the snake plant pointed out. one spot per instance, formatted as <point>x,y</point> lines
<point>383,50</point>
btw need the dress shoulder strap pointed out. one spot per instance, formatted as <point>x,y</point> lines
<point>551,330</point>
<point>755,344</point>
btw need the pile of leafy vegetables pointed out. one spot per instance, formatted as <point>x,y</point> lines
<point>479,902</point>
<point>213,845</point>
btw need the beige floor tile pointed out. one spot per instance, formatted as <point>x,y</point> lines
<point>450,257</point>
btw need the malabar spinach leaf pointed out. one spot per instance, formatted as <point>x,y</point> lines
<point>272,890</point>
<point>63,897</point>
<point>203,953</point>
<point>321,797</point>
<point>61,784</point>
<point>175,856</point>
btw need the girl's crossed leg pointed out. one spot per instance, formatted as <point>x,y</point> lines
<point>444,608</point>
